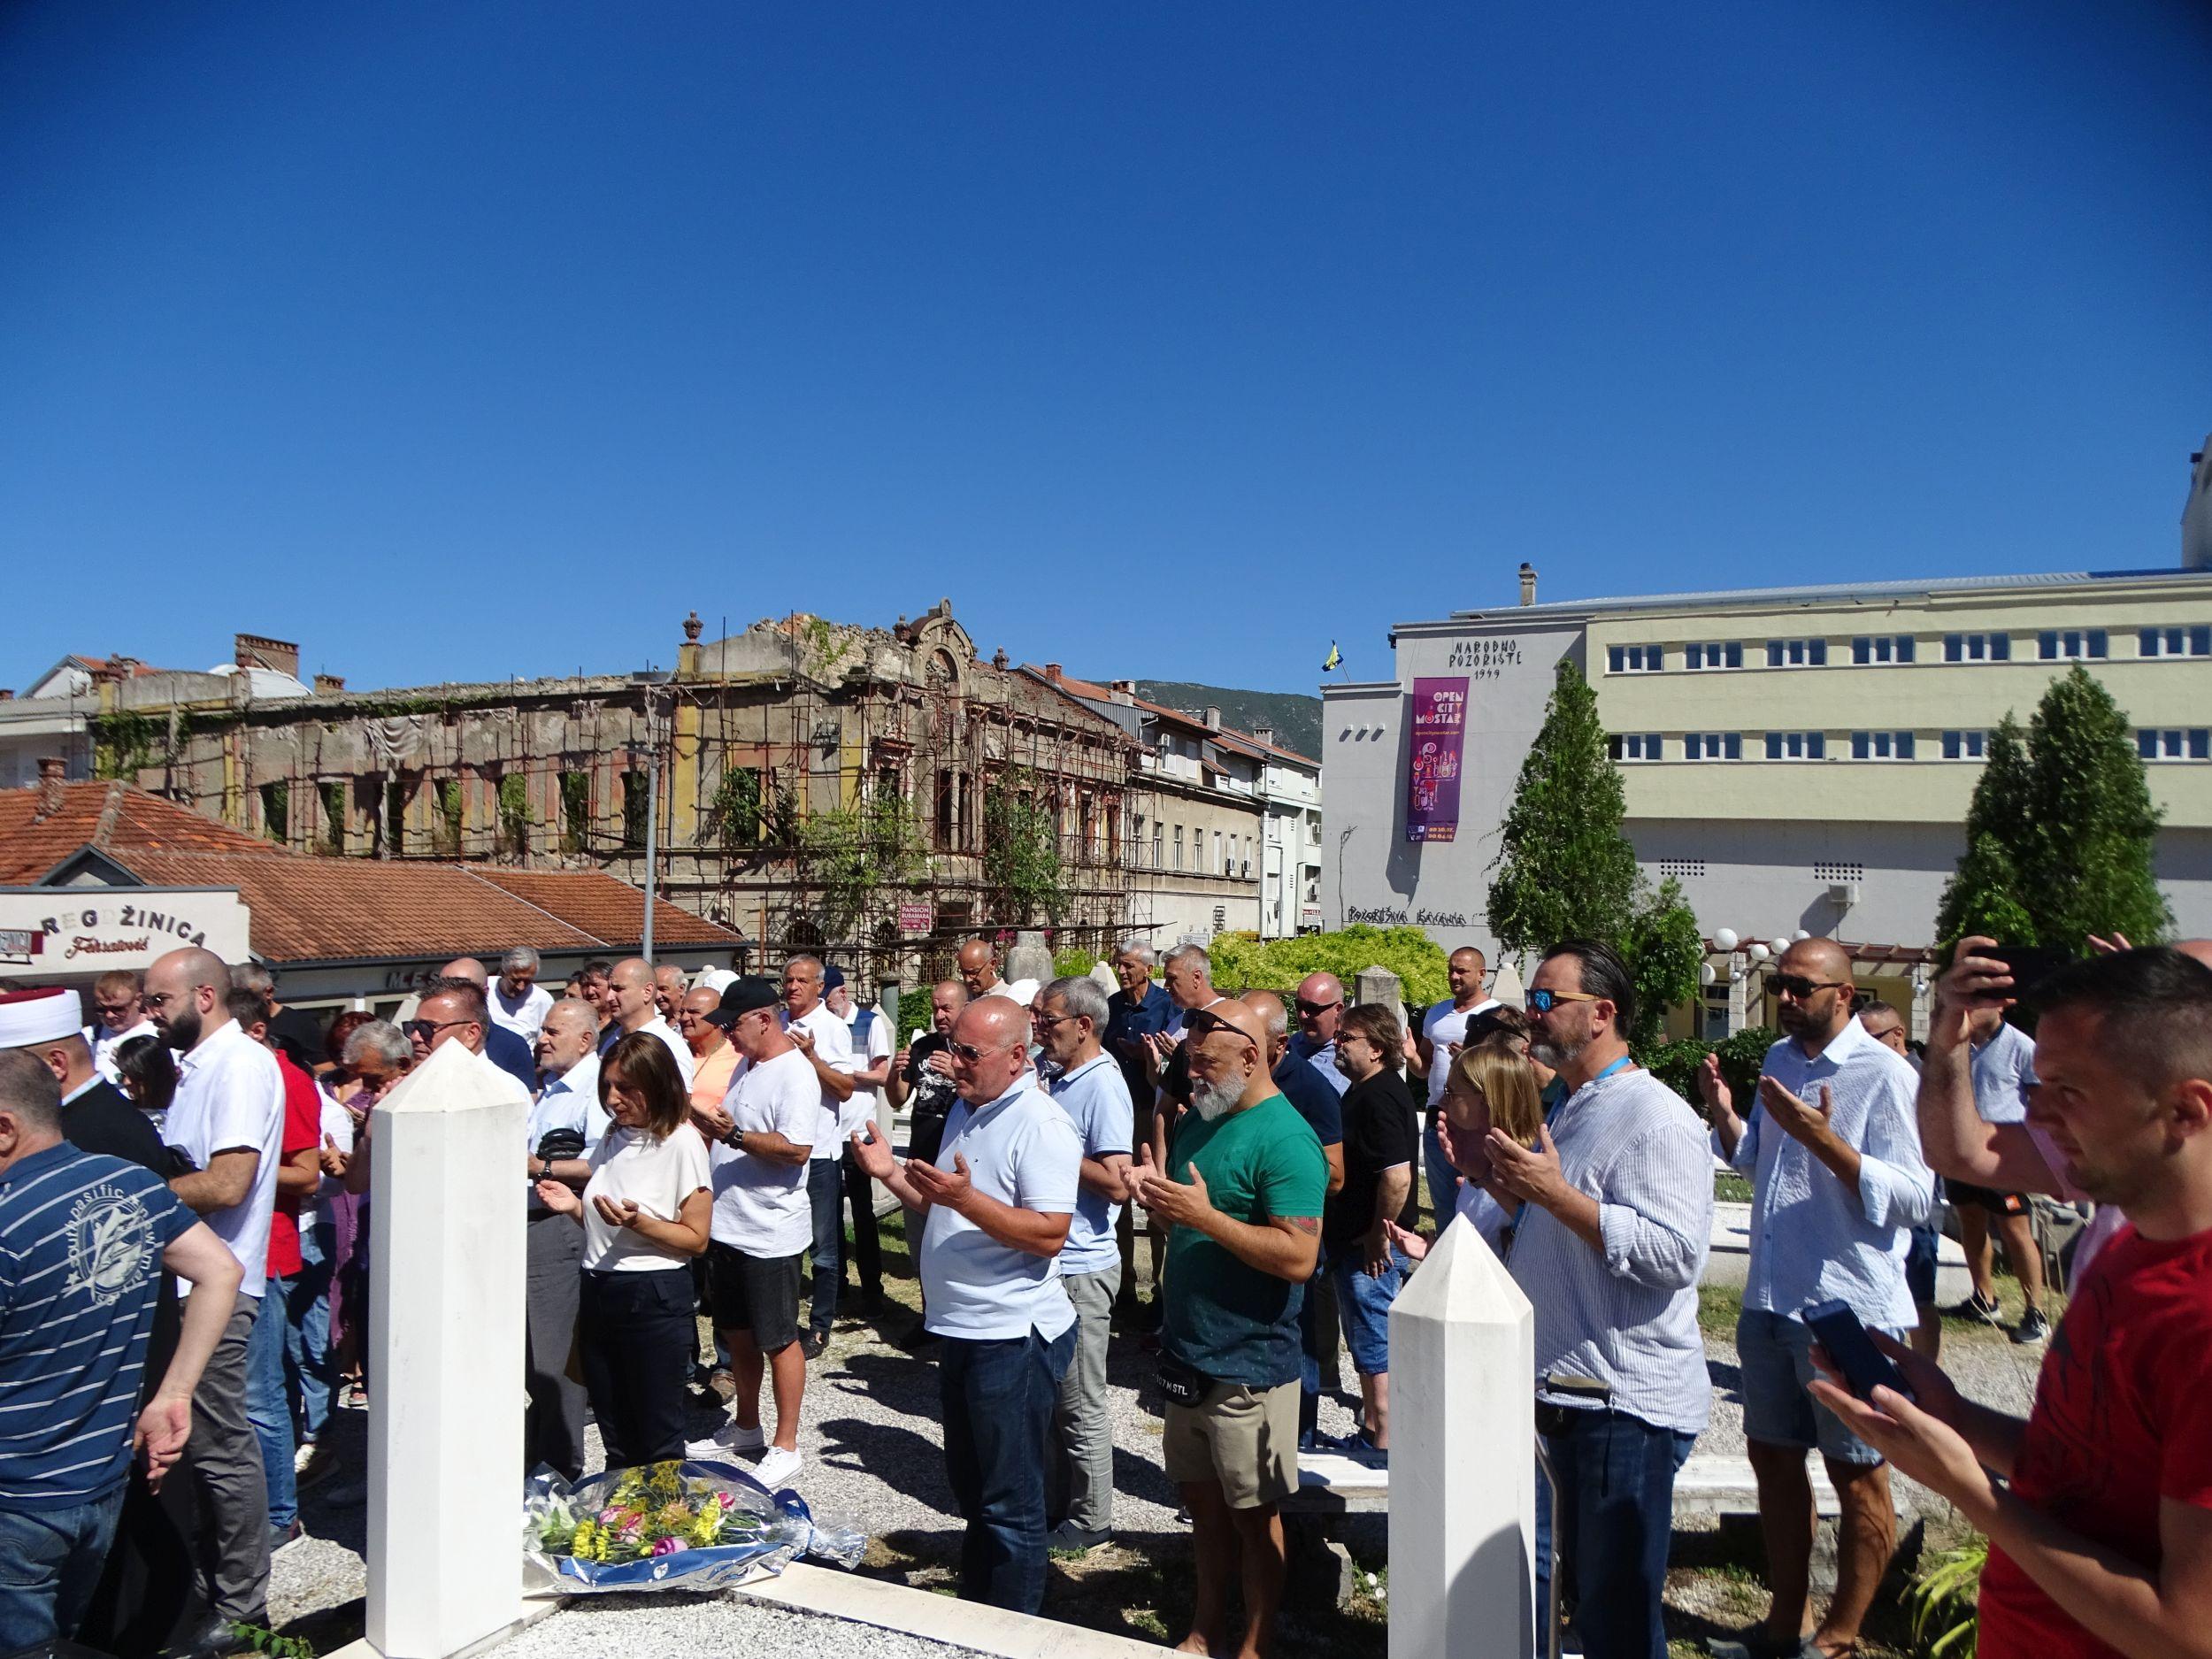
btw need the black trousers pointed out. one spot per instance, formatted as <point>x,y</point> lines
<point>867,1253</point>
<point>637,1339</point>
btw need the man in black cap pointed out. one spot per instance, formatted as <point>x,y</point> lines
<point>763,1136</point>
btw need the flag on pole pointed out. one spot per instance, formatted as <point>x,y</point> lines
<point>1335,657</point>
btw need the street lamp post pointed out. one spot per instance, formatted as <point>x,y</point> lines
<point>649,680</point>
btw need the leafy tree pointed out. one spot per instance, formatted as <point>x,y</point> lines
<point>2059,836</point>
<point>1565,871</point>
<point>1021,851</point>
<point>1242,962</point>
<point>848,857</point>
<point>1563,868</point>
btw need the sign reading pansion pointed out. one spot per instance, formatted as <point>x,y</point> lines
<point>1439,726</point>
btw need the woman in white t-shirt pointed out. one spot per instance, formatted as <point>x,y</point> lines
<point>644,1213</point>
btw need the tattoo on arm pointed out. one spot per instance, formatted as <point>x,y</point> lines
<point>1305,1224</point>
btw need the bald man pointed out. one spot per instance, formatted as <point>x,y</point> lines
<point>509,1050</point>
<point>977,963</point>
<point>1241,1196</point>
<point>634,995</point>
<point>1838,1184</point>
<point>997,1202</point>
<point>227,1122</point>
<point>1319,1004</point>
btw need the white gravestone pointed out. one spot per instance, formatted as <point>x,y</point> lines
<point>445,1319</point>
<point>1463,1458</point>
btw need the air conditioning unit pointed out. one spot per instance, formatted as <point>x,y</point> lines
<point>1843,892</point>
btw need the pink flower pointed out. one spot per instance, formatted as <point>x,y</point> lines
<point>669,1546</point>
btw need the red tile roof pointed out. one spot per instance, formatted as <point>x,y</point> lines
<point>112,816</point>
<point>308,908</point>
<point>1096,692</point>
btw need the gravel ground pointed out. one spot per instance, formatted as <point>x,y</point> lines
<point>729,1627</point>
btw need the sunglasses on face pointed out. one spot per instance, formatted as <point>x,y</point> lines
<point>1047,1021</point>
<point>1798,985</point>
<point>969,1052</point>
<point>1544,1001</point>
<point>1309,1010</point>
<point>423,1030</point>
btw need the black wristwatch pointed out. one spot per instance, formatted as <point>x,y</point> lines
<point>735,1138</point>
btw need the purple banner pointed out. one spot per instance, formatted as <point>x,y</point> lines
<point>1440,723</point>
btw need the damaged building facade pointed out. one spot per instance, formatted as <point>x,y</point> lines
<point>879,793</point>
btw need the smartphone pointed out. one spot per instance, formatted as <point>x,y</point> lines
<point>2031,964</point>
<point>1865,1366</point>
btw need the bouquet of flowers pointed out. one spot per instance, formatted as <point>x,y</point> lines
<point>705,1526</point>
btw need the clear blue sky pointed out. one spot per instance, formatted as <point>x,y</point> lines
<point>1175,341</point>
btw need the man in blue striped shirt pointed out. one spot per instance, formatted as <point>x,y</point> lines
<point>84,1240</point>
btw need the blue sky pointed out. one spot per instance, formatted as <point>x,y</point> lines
<point>1169,341</point>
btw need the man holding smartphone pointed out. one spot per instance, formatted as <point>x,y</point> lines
<point>1838,1183</point>
<point>2101,1540</point>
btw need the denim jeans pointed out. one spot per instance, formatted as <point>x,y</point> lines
<point>1443,1173</point>
<point>826,1193</point>
<point>268,1406</point>
<point>997,1397</point>
<point>49,1565</point>
<point>1363,1303</point>
<point>310,1368</point>
<point>1616,1477</point>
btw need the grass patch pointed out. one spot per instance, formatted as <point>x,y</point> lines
<point>1719,1307</point>
<point>1731,1188</point>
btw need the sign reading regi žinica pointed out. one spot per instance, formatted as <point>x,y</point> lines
<point>89,930</point>
<point>1439,726</point>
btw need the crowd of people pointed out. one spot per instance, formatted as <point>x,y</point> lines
<point>186,1205</point>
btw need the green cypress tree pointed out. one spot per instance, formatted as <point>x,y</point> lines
<point>1563,868</point>
<point>2061,832</point>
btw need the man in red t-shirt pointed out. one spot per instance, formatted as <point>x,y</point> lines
<point>2101,1545</point>
<point>268,1402</point>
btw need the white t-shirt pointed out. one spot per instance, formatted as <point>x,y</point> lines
<point>1444,1027</point>
<point>833,1047</point>
<point>761,1206</point>
<point>658,1175</point>
<point>105,1044</point>
<point>230,1095</point>
<point>861,1109</point>
<point>338,1131</point>
<point>2003,1071</point>
<point>1023,1150</point>
<point>523,1018</point>
<point>658,1027</point>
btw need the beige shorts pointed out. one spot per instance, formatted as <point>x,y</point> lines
<point>1243,1439</point>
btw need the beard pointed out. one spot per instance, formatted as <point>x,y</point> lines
<point>1213,1102</point>
<point>1553,1055</point>
<point>181,1030</point>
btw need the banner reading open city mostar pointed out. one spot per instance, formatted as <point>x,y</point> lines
<point>1440,721</point>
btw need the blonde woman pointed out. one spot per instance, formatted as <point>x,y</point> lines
<point>1491,1086</point>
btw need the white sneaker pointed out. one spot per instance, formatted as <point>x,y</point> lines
<point>726,1442</point>
<point>777,1469</point>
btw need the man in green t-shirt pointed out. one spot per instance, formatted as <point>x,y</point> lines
<point>1241,1196</point>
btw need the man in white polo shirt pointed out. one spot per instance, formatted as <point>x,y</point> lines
<point>827,1043</point>
<point>517,1001</point>
<point>634,994</point>
<point>999,1199</point>
<point>1068,1017</point>
<point>762,1223</point>
<point>1443,1030</point>
<point>228,1120</point>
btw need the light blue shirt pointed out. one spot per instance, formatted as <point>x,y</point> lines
<point>1625,1313</point>
<point>1095,1097</point>
<point>570,1100</point>
<point>1022,1150</point>
<point>2003,1070</point>
<point>1811,1240</point>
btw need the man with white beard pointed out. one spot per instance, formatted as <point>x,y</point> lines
<point>1241,1197</point>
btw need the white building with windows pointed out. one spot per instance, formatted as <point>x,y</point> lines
<point>1800,758</point>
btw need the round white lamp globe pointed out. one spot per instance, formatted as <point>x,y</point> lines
<point>1705,974</point>
<point>1779,946</point>
<point>1800,934</point>
<point>1758,952</point>
<point>1725,939</point>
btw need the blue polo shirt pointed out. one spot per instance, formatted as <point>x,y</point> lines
<point>81,1238</point>
<point>511,1055</point>
<point>1312,1099</point>
<point>1096,1100</point>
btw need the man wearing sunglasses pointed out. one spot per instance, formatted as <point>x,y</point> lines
<point>1616,1214</point>
<point>998,1199</point>
<point>1838,1183</point>
<point>1320,1006</point>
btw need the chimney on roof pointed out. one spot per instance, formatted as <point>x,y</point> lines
<point>7,694</point>
<point>255,650</point>
<point>53,772</point>
<point>1213,717</point>
<point>1528,583</point>
<point>122,664</point>
<point>329,685</point>
<point>998,658</point>
<point>1052,673</point>
<point>1122,691</point>
<point>1264,734</point>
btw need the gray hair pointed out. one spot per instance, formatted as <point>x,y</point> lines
<point>29,1089</point>
<point>252,976</point>
<point>521,957</point>
<point>1136,948</point>
<point>378,1039</point>
<point>793,961</point>
<point>1080,995</point>
<point>1184,952</point>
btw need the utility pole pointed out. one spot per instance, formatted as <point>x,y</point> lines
<point>649,680</point>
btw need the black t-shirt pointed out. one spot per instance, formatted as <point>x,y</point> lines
<point>1380,1130</point>
<point>102,1119</point>
<point>299,1034</point>
<point>931,1102</point>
